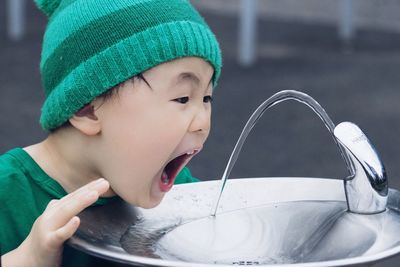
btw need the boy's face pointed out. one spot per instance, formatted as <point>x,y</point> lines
<point>145,131</point>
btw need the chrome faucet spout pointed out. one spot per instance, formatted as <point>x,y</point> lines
<point>367,188</point>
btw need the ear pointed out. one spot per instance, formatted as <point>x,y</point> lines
<point>86,121</point>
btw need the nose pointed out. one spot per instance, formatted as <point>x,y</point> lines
<point>202,120</point>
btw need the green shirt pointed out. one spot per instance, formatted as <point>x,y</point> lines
<point>25,191</point>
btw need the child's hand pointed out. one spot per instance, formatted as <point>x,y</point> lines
<point>44,245</point>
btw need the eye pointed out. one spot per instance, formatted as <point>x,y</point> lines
<point>208,99</point>
<point>182,100</point>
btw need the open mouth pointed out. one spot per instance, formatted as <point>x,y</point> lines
<point>172,169</point>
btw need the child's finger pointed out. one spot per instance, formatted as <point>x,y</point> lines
<point>89,186</point>
<point>51,204</point>
<point>67,208</point>
<point>65,232</point>
<point>80,191</point>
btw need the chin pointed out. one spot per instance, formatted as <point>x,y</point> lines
<point>146,203</point>
<point>150,204</point>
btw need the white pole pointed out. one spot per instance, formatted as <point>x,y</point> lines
<point>346,28</point>
<point>16,19</point>
<point>247,32</point>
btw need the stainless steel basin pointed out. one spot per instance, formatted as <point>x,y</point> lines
<point>260,221</point>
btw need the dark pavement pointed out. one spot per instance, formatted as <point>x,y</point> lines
<point>361,87</point>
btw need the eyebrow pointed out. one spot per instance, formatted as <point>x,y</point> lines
<point>190,76</point>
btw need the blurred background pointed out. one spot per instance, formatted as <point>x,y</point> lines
<point>345,54</point>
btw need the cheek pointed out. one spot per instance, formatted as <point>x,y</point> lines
<point>136,148</point>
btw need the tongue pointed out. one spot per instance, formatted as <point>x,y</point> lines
<point>165,182</point>
<point>170,172</point>
<point>164,178</point>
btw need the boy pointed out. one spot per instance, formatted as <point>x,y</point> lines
<point>161,62</point>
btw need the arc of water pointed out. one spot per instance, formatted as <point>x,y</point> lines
<point>272,101</point>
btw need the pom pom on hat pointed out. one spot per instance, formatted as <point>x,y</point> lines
<point>48,6</point>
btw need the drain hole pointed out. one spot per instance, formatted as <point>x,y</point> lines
<point>246,263</point>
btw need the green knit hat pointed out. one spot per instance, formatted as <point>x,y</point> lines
<point>91,46</point>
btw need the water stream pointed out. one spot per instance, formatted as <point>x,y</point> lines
<point>270,102</point>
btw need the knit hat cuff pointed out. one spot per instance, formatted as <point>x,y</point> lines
<point>126,59</point>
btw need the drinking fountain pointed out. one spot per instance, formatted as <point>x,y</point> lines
<point>263,221</point>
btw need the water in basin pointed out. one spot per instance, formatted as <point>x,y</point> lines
<point>283,233</point>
